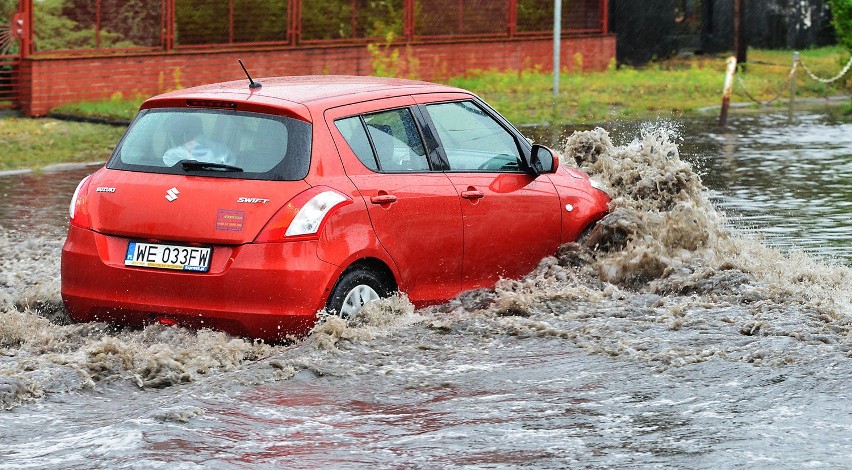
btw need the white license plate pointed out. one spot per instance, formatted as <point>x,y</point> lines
<point>155,255</point>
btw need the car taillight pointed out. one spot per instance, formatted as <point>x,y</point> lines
<point>303,216</point>
<point>79,209</point>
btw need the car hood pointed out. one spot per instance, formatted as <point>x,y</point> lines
<point>184,207</point>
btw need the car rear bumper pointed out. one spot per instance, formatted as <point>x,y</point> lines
<point>268,291</point>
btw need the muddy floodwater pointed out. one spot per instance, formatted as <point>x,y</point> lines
<point>707,324</point>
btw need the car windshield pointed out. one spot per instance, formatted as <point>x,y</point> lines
<point>228,144</point>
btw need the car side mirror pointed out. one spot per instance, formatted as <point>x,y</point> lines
<point>543,160</point>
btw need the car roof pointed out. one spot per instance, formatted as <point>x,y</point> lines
<point>308,90</point>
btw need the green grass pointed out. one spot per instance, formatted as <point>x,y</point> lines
<point>35,143</point>
<point>115,108</point>
<point>667,88</point>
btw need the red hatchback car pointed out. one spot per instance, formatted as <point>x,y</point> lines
<point>251,208</point>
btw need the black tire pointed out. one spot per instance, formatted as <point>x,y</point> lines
<point>355,287</point>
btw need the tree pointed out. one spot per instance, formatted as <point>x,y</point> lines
<point>841,17</point>
<point>841,11</point>
<point>70,24</point>
<point>122,22</point>
<point>213,21</point>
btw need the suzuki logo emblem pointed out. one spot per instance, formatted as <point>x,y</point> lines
<point>171,194</point>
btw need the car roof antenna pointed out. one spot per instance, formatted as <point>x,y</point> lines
<point>252,84</point>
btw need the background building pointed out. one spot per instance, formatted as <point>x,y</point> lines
<point>661,28</point>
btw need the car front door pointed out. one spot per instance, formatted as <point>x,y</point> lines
<point>414,210</point>
<point>511,218</point>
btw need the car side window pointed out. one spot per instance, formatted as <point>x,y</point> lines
<point>472,139</point>
<point>396,141</point>
<point>353,131</point>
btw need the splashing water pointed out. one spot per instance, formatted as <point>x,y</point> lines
<point>663,283</point>
<point>664,257</point>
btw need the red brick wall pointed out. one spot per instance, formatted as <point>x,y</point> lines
<point>50,82</point>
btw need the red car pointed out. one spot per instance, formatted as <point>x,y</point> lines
<point>250,208</point>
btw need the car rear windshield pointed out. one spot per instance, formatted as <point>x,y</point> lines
<point>220,143</point>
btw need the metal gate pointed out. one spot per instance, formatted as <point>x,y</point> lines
<point>12,28</point>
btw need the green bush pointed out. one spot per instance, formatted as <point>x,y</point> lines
<point>841,11</point>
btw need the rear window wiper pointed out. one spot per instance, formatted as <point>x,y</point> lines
<point>194,165</point>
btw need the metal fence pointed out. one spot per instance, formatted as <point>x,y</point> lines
<point>9,53</point>
<point>107,26</point>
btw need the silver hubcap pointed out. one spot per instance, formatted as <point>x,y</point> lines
<point>356,298</point>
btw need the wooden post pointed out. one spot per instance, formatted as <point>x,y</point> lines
<point>726,93</point>
<point>792,86</point>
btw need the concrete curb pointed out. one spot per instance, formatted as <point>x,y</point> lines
<point>805,103</point>
<point>15,172</point>
<point>89,119</point>
<point>59,167</point>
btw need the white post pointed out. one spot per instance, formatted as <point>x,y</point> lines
<point>557,43</point>
<point>792,86</point>
<point>726,93</point>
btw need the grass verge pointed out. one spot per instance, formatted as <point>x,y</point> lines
<point>667,88</point>
<point>35,143</point>
<point>116,108</point>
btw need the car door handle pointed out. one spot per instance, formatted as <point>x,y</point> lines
<point>383,199</point>
<point>472,194</point>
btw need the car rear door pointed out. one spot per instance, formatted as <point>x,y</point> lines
<point>511,218</point>
<point>414,210</point>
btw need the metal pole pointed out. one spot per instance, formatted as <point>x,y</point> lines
<point>740,46</point>
<point>408,20</point>
<point>512,19</point>
<point>23,22</point>
<point>557,43</point>
<point>169,39</point>
<point>98,24</point>
<point>557,67</point>
<point>230,21</point>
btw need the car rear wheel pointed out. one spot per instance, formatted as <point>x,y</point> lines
<point>355,288</point>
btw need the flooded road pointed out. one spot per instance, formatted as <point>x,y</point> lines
<point>789,182</point>
<point>709,326</point>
